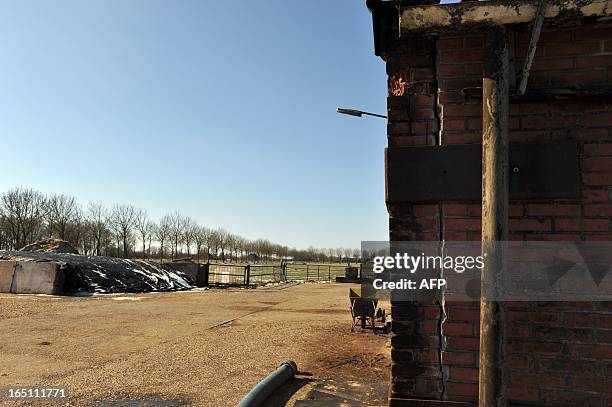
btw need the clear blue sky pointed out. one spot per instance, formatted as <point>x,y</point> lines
<point>223,110</point>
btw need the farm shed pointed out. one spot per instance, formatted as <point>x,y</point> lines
<point>551,118</point>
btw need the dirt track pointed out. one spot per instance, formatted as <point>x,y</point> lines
<point>173,346</point>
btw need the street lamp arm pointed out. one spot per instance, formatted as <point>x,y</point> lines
<point>358,113</point>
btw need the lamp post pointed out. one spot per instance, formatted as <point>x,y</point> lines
<point>358,113</point>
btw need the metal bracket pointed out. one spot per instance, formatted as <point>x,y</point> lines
<point>538,170</point>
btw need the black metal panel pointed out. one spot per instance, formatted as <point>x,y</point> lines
<point>539,170</point>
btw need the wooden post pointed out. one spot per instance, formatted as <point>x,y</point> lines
<point>492,380</point>
<point>247,275</point>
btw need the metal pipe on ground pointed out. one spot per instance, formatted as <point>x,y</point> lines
<point>267,386</point>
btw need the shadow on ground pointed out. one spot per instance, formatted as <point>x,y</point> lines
<point>284,393</point>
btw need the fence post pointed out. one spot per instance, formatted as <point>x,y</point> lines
<point>202,276</point>
<point>247,274</point>
<point>307,272</point>
<point>329,272</point>
<point>318,273</point>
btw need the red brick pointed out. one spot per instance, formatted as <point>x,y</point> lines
<point>595,120</point>
<point>604,336</point>
<point>459,358</point>
<point>462,344</point>
<point>463,314</point>
<point>544,64</point>
<point>522,393</point>
<point>519,362</point>
<point>463,374</point>
<point>423,127</point>
<point>451,70</point>
<point>598,149</point>
<point>461,389</point>
<point>597,179</point>
<point>450,43</point>
<point>547,122</point>
<point>458,329</point>
<point>456,209</point>
<point>587,319</point>
<point>530,225</point>
<point>462,224</point>
<point>425,210</point>
<point>407,141</point>
<point>445,97</point>
<point>423,100</point>
<point>547,37</point>
<point>462,110</point>
<point>533,317</point>
<point>455,236</point>
<point>592,351</point>
<point>553,237</point>
<point>603,385</point>
<point>595,195</point>
<point>591,33</point>
<point>428,327</point>
<point>534,379</point>
<point>422,114</point>
<point>597,164</point>
<point>598,210</point>
<point>591,76</point>
<point>582,225</point>
<point>419,74</point>
<point>568,365</point>
<point>519,331</point>
<point>462,138</point>
<point>575,48</point>
<point>540,348</point>
<point>474,69</point>
<point>594,61</point>
<point>474,124</point>
<point>563,333</point>
<point>451,56</point>
<point>460,83</point>
<point>398,128</point>
<point>453,124</point>
<point>553,210</point>
<point>571,398</point>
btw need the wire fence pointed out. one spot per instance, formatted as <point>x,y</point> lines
<point>255,274</point>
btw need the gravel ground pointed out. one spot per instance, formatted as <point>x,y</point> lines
<point>179,345</point>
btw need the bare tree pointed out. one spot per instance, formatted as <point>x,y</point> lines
<point>162,233</point>
<point>23,212</point>
<point>190,229</point>
<point>97,216</point>
<point>201,239</point>
<point>61,211</point>
<point>222,241</point>
<point>124,217</point>
<point>144,228</point>
<point>176,230</point>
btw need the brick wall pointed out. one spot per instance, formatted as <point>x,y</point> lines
<point>558,353</point>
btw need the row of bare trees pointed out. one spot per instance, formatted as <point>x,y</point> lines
<point>124,231</point>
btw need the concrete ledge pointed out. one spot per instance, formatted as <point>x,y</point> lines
<point>7,271</point>
<point>436,18</point>
<point>33,277</point>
